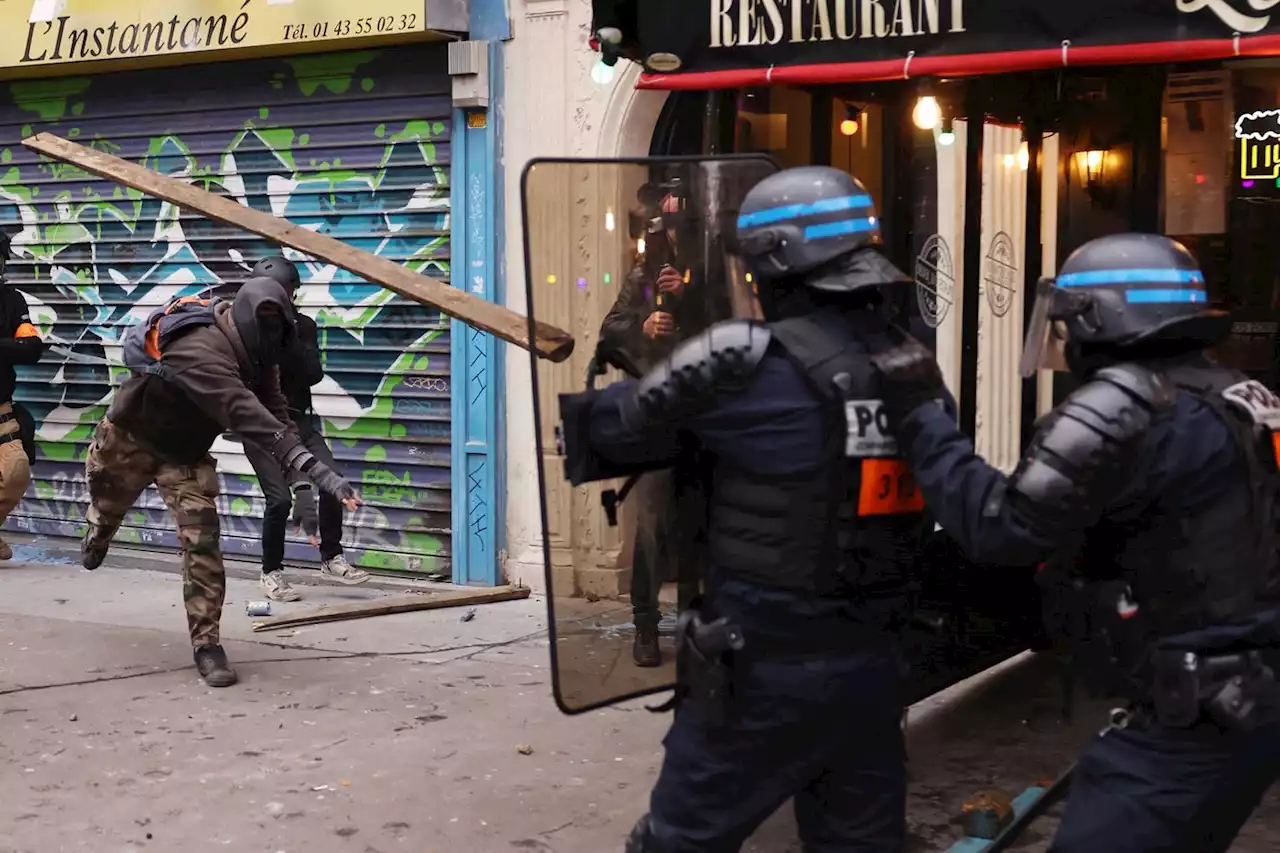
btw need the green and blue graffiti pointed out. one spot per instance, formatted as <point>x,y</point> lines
<point>354,145</point>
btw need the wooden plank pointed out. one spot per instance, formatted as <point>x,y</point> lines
<point>390,605</point>
<point>549,342</point>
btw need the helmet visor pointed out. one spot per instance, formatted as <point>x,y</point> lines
<point>1045,347</point>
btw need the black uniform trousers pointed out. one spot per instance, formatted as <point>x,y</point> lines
<point>1152,789</point>
<point>275,486</point>
<point>824,727</point>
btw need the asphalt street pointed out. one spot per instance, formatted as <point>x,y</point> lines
<point>419,732</point>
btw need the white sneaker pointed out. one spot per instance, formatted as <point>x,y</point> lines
<point>343,572</point>
<point>278,588</point>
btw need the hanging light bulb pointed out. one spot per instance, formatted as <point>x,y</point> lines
<point>851,124</point>
<point>946,136</point>
<point>927,113</point>
<point>602,74</point>
<point>640,246</point>
<point>1009,160</point>
<point>609,223</point>
<point>1024,157</point>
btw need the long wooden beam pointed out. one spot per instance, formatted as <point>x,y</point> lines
<point>548,341</point>
<point>390,605</point>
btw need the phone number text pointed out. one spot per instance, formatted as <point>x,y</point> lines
<point>372,25</point>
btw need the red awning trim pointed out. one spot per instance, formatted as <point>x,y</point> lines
<point>969,65</point>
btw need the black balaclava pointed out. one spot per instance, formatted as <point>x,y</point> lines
<point>266,337</point>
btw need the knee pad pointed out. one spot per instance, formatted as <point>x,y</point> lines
<point>642,839</point>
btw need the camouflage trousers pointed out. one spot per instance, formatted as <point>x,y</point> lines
<point>15,470</point>
<point>118,470</point>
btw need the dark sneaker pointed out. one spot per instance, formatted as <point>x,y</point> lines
<point>645,651</point>
<point>211,662</point>
<point>92,553</point>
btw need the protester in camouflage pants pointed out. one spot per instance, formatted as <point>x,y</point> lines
<point>118,470</point>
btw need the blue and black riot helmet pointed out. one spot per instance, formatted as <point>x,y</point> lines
<point>816,227</point>
<point>1123,292</point>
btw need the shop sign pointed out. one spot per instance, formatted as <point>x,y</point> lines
<point>58,32</point>
<point>730,35</point>
<point>1259,136</point>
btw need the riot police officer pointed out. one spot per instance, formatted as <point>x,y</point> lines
<point>1150,494</point>
<point>789,674</point>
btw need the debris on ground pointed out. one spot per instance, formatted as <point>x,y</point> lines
<point>524,749</point>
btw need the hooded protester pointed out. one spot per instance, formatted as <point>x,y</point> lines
<point>217,373</point>
<point>300,369</point>
<point>19,344</point>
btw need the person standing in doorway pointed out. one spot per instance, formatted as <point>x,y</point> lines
<point>656,308</point>
<point>300,369</point>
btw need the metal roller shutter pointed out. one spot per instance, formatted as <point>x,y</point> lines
<point>353,144</point>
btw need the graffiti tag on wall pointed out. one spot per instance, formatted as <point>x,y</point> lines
<point>353,145</point>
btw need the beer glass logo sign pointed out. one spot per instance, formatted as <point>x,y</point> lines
<point>1259,135</point>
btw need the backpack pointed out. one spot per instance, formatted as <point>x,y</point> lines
<point>145,343</point>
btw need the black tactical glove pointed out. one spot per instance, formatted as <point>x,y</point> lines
<point>304,510</point>
<point>329,480</point>
<point>909,377</point>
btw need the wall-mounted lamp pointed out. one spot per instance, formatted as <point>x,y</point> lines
<point>852,120</point>
<point>1091,169</point>
<point>1091,166</point>
<point>947,135</point>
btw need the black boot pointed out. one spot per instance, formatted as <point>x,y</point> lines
<point>641,839</point>
<point>92,553</point>
<point>645,650</point>
<point>211,662</point>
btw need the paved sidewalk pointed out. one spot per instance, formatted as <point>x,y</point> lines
<point>396,733</point>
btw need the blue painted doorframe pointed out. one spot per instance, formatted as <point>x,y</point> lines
<point>476,364</point>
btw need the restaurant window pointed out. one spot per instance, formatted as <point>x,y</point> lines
<point>1222,198</point>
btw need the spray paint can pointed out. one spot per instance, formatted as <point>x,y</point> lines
<point>258,608</point>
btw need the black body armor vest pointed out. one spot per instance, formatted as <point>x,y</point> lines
<point>853,527</point>
<point>1191,582</point>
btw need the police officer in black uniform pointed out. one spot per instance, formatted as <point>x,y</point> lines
<point>790,672</point>
<point>1150,495</point>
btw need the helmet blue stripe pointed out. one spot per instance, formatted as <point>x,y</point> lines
<point>794,211</point>
<point>1135,276</point>
<point>1158,296</point>
<point>857,225</point>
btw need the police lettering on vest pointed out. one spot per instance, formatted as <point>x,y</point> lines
<point>887,487</point>
<point>1262,407</point>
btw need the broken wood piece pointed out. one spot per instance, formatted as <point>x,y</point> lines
<point>393,604</point>
<point>548,342</point>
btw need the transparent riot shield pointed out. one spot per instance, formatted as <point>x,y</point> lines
<point>632,257</point>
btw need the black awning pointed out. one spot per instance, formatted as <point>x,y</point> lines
<point>700,44</point>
